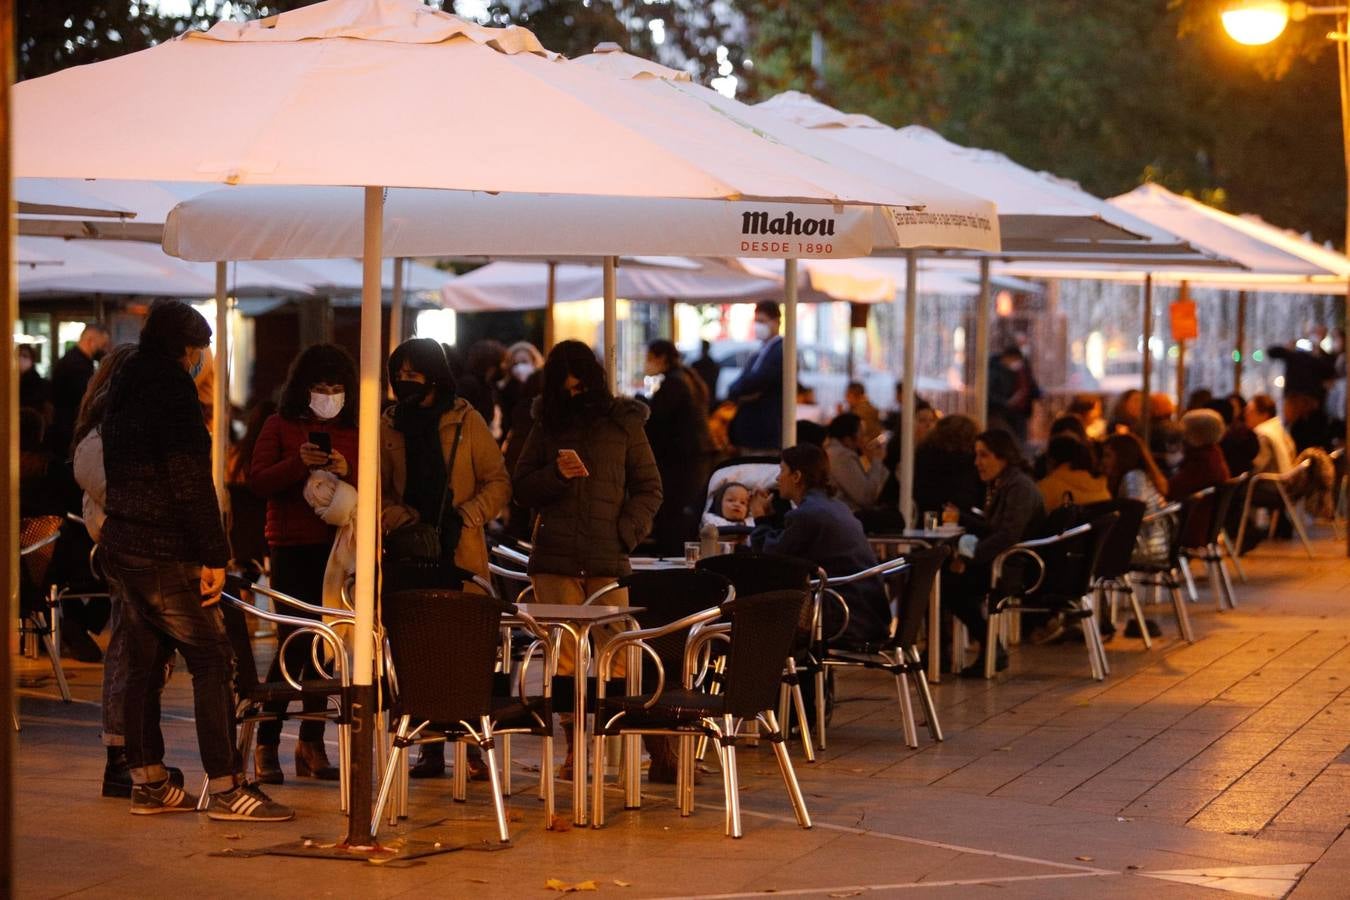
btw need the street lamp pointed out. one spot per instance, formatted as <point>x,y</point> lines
<point>1258,22</point>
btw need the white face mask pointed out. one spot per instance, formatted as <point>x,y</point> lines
<point>326,406</point>
<point>763,331</point>
<point>522,370</point>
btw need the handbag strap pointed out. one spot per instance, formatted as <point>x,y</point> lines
<point>449,475</point>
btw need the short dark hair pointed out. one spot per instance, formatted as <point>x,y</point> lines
<point>844,425</point>
<point>1069,425</point>
<point>1265,405</point>
<point>665,350</point>
<point>172,327</point>
<point>855,387</point>
<point>812,463</point>
<point>768,308</point>
<point>1003,445</point>
<point>426,357</point>
<point>1082,404</point>
<point>1224,408</point>
<point>812,433</point>
<point>1066,448</point>
<point>578,360</point>
<point>317,363</point>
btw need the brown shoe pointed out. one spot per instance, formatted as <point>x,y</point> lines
<point>311,761</point>
<point>478,770</point>
<point>266,766</point>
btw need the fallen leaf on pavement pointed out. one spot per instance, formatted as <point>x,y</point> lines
<point>1083,858</point>
<point>846,894</point>
<point>562,887</point>
<point>234,837</point>
<point>480,881</point>
<point>560,823</point>
<point>623,883</point>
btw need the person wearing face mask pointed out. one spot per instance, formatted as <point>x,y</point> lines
<point>523,384</point>
<point>70,379</point>
<point>588,471</point>
<point>678,431</point>
<point>758,393</point>
<point>319,398</point>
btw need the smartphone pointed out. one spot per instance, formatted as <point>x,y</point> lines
<point>322,439</point>
<point>574,456</point>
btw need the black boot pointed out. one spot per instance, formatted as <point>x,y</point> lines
<point>430,761</point>
<point>117,774</point>
<point>266,765</point>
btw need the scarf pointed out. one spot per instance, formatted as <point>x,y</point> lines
<point>421,430</point>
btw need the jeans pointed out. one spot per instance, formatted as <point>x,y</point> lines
<point>162,612</point>
<point>298,572</point>
<point>115,677</point>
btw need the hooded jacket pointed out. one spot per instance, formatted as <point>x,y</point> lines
<point>588,526</point>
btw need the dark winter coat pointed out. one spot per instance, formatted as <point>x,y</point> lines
<point>157,457</point>
<point>1201,467</point>
<point>588,526</point>
<point>678,432</point>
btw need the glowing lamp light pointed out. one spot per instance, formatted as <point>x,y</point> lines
<point>1255,22</point>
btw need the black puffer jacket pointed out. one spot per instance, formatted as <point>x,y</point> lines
<point>157,456</point>
<point>588,526</point>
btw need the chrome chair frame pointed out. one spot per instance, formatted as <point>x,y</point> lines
<point>1167,578</point>
<point>1292,507</point>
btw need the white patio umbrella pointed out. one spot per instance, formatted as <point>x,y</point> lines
<point>331,101</point>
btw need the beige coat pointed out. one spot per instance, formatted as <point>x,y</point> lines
<point>480,485</point>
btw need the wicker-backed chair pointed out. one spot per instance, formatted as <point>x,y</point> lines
<point>37,548</point>
<point>444,658</point>
<point>1111,578</point>
<point>759,632</point>
<point>899,654</point>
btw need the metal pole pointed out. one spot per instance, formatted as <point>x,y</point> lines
<point>1240,351</point>
<point>909,377</point>
<point>362,700</point>
<point>396,308</point>
<point>549,301</point>
<point>789,435</point>
<point>982,328</point>
<point>1343,77</point>
<point>220,387</point>
<point>611,323</point>
<point>9,469</point>
<point>1145,404</point>
<point>672,323</point>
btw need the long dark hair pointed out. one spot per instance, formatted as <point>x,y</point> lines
<point>428,358</point>
<point>576,359</point>
<point>1003,445</point>
<point>95,399</point>
<point>172,327</point>
<point>317,363</point>
<point>813,465</point>
<point>954,434</point>
<point>1131,454</point>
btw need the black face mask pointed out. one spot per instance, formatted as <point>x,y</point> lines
<point>411,393</point>
<point>99,354</point>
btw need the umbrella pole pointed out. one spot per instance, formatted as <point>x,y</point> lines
<point>220,387</point>
<point>1145,402</point>
<point>1240,349</point>
<point>611,324</point>
<point>549,301</point>
<point>789,436</point>
<point>9,471</point>
<point>396,308</point>
<point>910,370</point>
<point>361,702</point>
<point>982,325</point>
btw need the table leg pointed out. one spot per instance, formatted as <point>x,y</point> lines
<point>579,759</point>
<point>935,633</point>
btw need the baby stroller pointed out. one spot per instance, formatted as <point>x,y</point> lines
<point>756,473</point>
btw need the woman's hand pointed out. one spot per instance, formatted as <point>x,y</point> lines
<point>950,514</point>
<point>337,464</point>
<point>396,517</point>
<point>312,456</point>
<point>761,504</point>
<point>570,465</point>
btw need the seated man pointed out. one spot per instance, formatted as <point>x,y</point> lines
<point>857,485</point>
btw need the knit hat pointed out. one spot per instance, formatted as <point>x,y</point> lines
<point>1202,427</point>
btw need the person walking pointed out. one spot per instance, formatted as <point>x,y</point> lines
<point>439,467</point>
<point>313,429</point>
<point>70,380</point>
<point>165,553</point>
<point>588,471</point>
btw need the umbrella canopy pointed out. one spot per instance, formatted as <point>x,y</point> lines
<point>331,101</point>
<point>1275,260</point>
<point>523,285</point>
<point>1037,212</point>
<point>140,207</point>
<point>878,279</point>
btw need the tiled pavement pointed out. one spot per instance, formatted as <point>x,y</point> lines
<point>1216,760</point>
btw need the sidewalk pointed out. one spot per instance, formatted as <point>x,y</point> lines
<point>1222,764</point>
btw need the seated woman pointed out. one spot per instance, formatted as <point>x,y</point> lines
<point>730,506</point>
<point>1012,511</point>
<point>1070,477</point>
<point>823,530</point>
<point>944,466</point>
<point>1202,466</point>
<point>1131,474</point>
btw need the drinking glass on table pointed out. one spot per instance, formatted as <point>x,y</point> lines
<point>693,551</point>
<point>932,521</point>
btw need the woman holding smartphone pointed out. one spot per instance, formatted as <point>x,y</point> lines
<point>314,427</point>
<point>588,472</point>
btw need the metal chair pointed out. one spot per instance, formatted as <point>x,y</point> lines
<point>443,649</point>
<point>899,654</point>
<point>37,547</point>
<point>1111,577</point>
<point>759,632</point>
<point>761,573</point>
<point>253,695</point>
<point>1290,488</point>
<point>1066,563</point>
<point>1166,574</point>
<point>1212,551</point>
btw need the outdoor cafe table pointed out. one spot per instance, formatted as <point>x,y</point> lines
<point>884,544</point>
<point>578,622</point>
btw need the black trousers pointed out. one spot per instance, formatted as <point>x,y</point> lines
<point>297,571</point>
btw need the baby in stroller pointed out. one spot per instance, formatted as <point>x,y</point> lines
<point>736,489</point>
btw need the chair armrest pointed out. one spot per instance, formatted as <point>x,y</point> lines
<point>606,662</point>
<point>310,626</point>
<point>1167,511</point>
<point>701,636</point>
<point>623,638</point>
<point>610,588</point>
<point>510,554</point>
<point>509,574</point>
<point>243,584</point>
<point>1076,531</point>
<point>45,542</point>
<point>843,604</point>
<point>543,639</point>
<point>1020,550</point>
<point>890,567</point>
